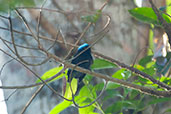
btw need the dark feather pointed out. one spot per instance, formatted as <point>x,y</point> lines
<point>82,58</point>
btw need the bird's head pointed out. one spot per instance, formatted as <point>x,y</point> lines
<point>84,47</point>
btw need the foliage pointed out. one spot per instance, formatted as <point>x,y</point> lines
<point>11,4</point>
<point>123,99</point>
<point>52,72</point>
<point>92,18</point>
<point>147,15</point>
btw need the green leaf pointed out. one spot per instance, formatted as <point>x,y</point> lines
<point>92,18</point>
<point>28,2</point>
<point>68,92</point>
<point>11,4</point>
<point>139,67</point>
<point>5,6</point>
<point>86,95</point>
<point>126,91</point>
<point>150,64</point>
<point>155,86</point>
<point>144,14</point>
<point>150,40</point>
<point>150,71</point>
<point>102,64</point>
<point>122,74</point>
<point>86,110</point>
<point>133,94</point>
<point>145,60</point>
<point>127,74</point>
<point>118,74</point>
<point>60,107</point>
<point>85,91</point>
<point>112,94</point>
<point>128,104</point>
<point>52,72</point>
<point>98,87</point>
<point>93,113</point>
<point>142,80</point>
<point>168,110</point>
<point>159,100</point>
<point>147,15</point>
<point>166,80</point>
<point>112,85</point>
<point>88,78</point>
<point>168,9</point>
<point>113,108</point>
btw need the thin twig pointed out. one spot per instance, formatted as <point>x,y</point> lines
<point>142,89</point>
<point>31,99</point>
<point>44,82</point>
<point>39,20</point>
<point>54,41</point>
<point>93,100</point>
<point>16,51</point>
<point>84,31</point>
<point>5,65</point>
<point>122,82</point>
<point>139,54</point>
<point>12,93</point>
<point>59,41</point>
<point>26,24</point>
<point>30,48</point>
<point>3,17</point>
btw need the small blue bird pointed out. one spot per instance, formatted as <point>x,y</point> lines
<point>82,58</point>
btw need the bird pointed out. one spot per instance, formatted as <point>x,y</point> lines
<point>82,58</point>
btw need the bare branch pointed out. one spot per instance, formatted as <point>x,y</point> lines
<point>32,98</point>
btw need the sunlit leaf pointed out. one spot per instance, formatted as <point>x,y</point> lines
<point>102,64</point>
<point>147,15</point>
<point>52,72</point>
<point>139,67</point>
<point>122,74</point>
<point>86,95</point>
<point>150,64</point>
<point>166,80</point>
<point>88,78</point>
<point>92,18</point>
<point>118,74</point>
<point>68,92</point>
<point>150,71</point>
<point>86,110</point>
<point>60,107</point>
